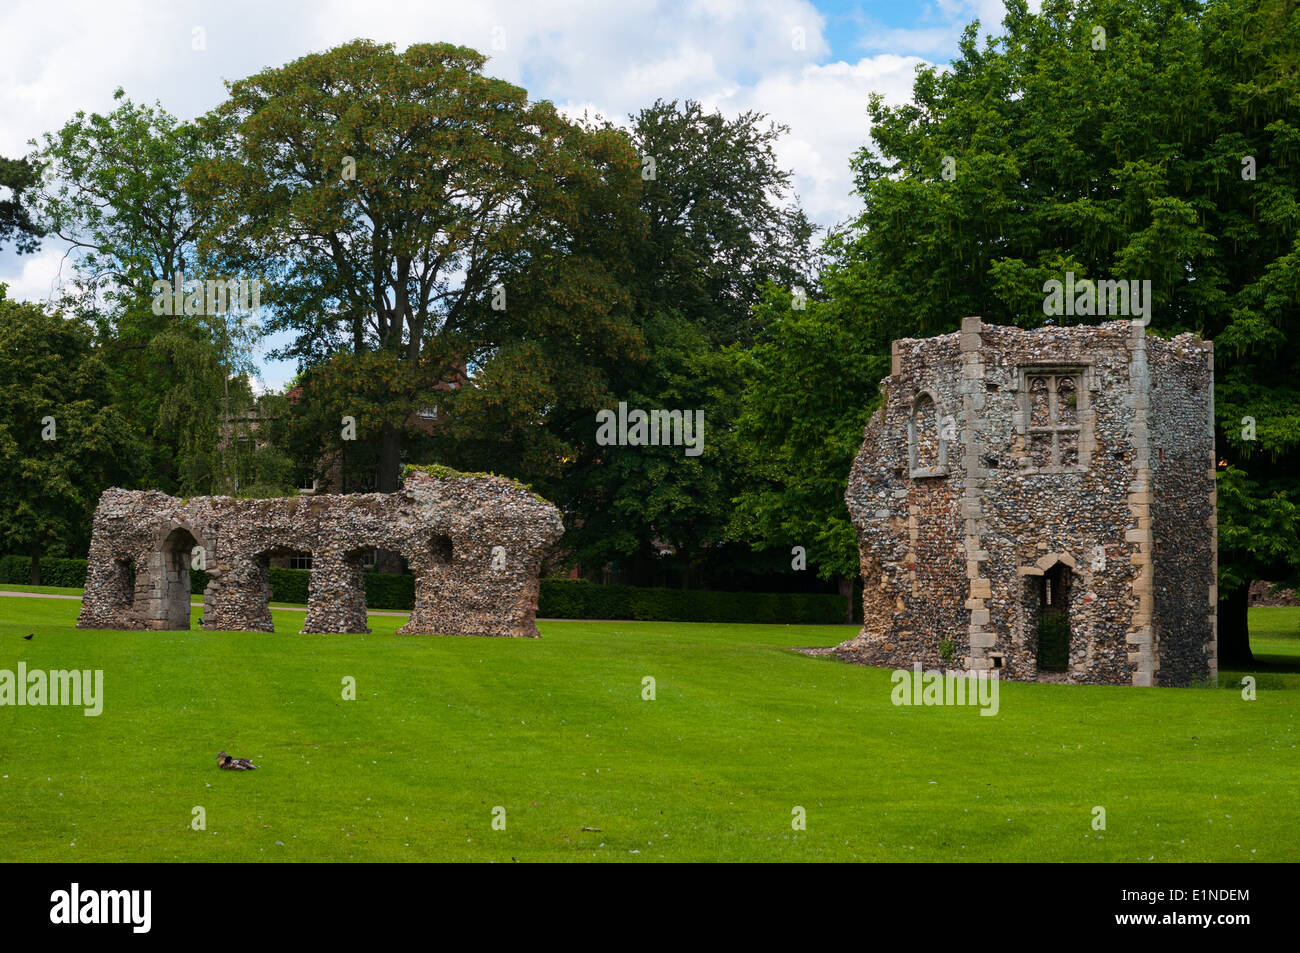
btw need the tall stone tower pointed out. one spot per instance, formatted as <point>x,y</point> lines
<point>1041,503</point>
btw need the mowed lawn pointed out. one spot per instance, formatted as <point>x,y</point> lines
<point>555,731</point>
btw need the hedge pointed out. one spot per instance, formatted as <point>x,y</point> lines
<point>579,599</point>
<point>17,570</point>
<point>559,598</point>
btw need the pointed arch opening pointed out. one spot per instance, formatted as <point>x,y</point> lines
<point>1049,599</point>
<point>927,451</point>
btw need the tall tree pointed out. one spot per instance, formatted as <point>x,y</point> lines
<point>388,194</point>
<point>722,225</point>
<point>62,440</point>
<point>809,387</point>
<point>723,219</point>
<point>111,192</point>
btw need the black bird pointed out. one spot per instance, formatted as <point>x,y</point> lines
<point>28,638</point>
<point>227,763</point>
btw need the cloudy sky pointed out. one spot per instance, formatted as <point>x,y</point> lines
<point>808,65</point>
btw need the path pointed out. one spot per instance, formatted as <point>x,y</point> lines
<point>193,605</point>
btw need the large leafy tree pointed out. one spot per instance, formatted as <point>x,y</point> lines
<point>810,381</point>
<point>567,335</point>
<point>723,220</point>
<point>112,193</point>
<point>722,224</point>
<point>1149,140</point>
<point>391,198</point>
<point>62,439</point>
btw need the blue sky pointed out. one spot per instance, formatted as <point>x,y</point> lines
<point>809,65</point>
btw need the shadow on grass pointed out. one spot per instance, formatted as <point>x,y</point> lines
<point>1270,671</point>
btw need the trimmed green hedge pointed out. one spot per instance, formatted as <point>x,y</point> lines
<point>579,599</point>
<point>560,598</point>
<point>17,570</point>
<point>386,590</point>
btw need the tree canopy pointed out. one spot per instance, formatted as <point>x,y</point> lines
<point>62,440</point>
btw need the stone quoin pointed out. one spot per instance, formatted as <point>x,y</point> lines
<point>1041,503</point>
<point>474,543</point>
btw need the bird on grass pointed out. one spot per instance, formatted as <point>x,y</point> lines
<point>227,763</point>
<point>28,637</point>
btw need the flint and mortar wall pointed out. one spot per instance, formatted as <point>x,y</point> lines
<point>1053,446</point>
<point>474,544</point>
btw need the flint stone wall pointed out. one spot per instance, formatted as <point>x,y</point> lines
<point>474,545</point>
<point>1002,457</point>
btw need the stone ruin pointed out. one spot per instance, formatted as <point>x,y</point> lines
<point>1041,503</point>
<point>474,544</point>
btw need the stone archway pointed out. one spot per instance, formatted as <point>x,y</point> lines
<point>166,603</point>
<point>1046,618</point>
<point>447,525</point>
<point>259,585</point>
<point>1050,601</point>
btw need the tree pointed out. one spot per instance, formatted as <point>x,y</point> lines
<point>111,191</point>
<point>549,358</point>
<point>387,194</point>
<point>62,441</point>
<point>722,224</point>
<point>723,221</point>
<point>809,388</point>
<point>16,225</point>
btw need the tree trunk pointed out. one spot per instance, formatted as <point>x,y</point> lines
<point>36,567</point>
<point>1234,628</point>
<point>389,477</point>
<point>846,590</point>
<point>388,480</point>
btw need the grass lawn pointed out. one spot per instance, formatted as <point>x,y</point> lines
<point>44,590</point>
<point>555,731</point>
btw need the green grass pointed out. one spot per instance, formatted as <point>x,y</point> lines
<point>44,590</point>
<point>555,731</point>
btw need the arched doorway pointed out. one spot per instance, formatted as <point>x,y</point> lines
<point>1052,618</point>
<point>173,568</point>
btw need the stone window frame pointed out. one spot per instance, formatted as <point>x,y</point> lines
<point>1084,414</point>
<point>941,468</point>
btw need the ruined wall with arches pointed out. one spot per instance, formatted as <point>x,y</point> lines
<point>474,544</point>
<point>1041,503</point>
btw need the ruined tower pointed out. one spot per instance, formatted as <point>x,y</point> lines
<point>1041,503</point>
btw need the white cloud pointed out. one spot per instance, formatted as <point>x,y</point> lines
<point>35,277</point>
<point>938,28</point>
<point>614,59</point>
<point>826,110</point>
